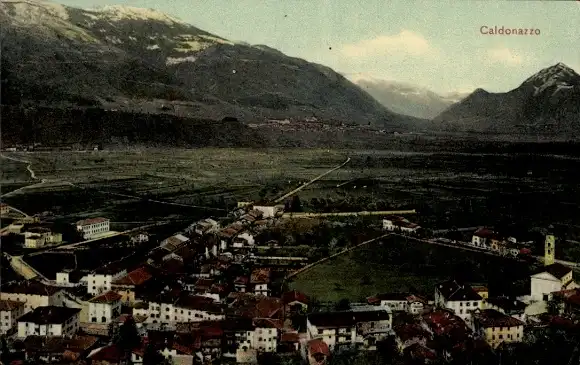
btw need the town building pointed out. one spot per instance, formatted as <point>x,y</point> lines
<point>206,226</point>
<point>101,280</point>
<point>93,227</point>
<point>399,302</point>
<point>317,352</point>
<point>4,209</point>
<point>33,294</point>
<point>49,321</point>
<point>482,238</point>
<point>511,307</point>
<point>459,298</point>
<point>168,310</point>
<point>497,327</point>
<point>266,334</point>
<point>358,329</point>
<point>105,307</point>
<point>551,278</point>
<point>127,285</point>
<point>269,211</point>
<point>36,237</point>
<point>260,281</point>
<point>57,350</point>
<point>10,311</point>
<point>174,242</point>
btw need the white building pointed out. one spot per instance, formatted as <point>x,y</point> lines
<point>93,227</point>
<point>10,311</point>
<point>244,239</point>
<point>359,328</point>
<point>551,278</point>
<point>49,321</point>
<point>4,209</point>
<point>193,308</point>
<point>206,226</point>
<point>399,302</point>
<point>458,297</point>
<point>105,307</point>
<point>101,280</point>
<point>266,335</point>
<point>269,211</point>
<point>260,281</point>
<point>33,294</point>
<point>399,224</point>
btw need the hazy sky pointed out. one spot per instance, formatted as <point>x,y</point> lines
<point>430,43</point>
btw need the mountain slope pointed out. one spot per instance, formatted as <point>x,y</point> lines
<point>547,102</point>
<point>406,98</point>
<point>137,59</point>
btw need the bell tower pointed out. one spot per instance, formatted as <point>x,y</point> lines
<point>550,249</point>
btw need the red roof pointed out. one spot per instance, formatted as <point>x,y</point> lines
<point>484,233</point>
<point>294,296</point>
<point>107,297</point>
<point>318,347</point>
<point>109,353</point>
<point>89,221</point>
<point>135,277</point>
<point>290,337</point>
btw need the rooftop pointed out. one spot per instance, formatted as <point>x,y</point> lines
<point>49,315</point>
<point>260,276</point>
<point>59,344</point>
<point>30,288</point>
<point>454,290</point>
<point>294,296</point>
<point>318,347</point>
<point>346,318</point>
<point>106,298</point>
<point>135,277</point>
<point>507,304</point>
<point>89,221</point>
<point>9,305</point>
<point>492,318</point>
<point>556,269</point>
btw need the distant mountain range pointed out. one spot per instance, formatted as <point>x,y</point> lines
<point>407,99</point>
<point>546,103</point>
<point>138,60</point>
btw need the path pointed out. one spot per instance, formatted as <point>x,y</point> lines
<point>23,269</point>
<point>311,181</point>
<point>341,214</point>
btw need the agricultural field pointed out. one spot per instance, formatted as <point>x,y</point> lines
<point>395,265</point>
<point>447,189</point>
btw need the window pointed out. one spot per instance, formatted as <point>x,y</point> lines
<point>500,337</point>
<point>467,304</point>
<point>103,319</point>
<point>167,316</point>
<point>493,337</point>
<point>461,304</point>
<point>94,319</point>
<point>475,304</point>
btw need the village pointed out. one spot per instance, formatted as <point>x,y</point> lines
<point>206,295</point>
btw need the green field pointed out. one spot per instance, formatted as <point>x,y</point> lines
<point>398,266</point>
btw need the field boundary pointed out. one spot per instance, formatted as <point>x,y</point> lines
<point>323,260</point>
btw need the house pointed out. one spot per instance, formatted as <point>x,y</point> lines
<point>269,211</point>
<point>61,350</point>
<point>259,281</point>
<point>348,328</point>
<point>93,227</point>
<point>49,321</point>
<point>206,226</point>
<point>459,298</point>
<point>508,306</point>
<point>289,342</point>
<point>244,239</point>
<point>139,238</point>
<point>399,224</point>
<point>174,242</point>
<point>317,352</point>
<point>184,308</point>
<point>4,209</point>
<point>568,301</point>
<point>127,284</point>
<point>551,278</point>
<point>10,311</point>
<point>482,238</point>
<point>266,334</point>
<point>497,327</point>
<point>37,237</point>
<point>101,280</point>
<point>69,277</point>
<point>33,294</point>
<point>399,302</point>
<point>447,326</point>
<point>105,307</point>
<point>295,302</point>
<point>482,290</point>
<point>250,305</point>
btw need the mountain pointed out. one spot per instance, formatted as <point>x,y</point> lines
<point>134,60</point>
<point>547,102</point>
<point>405,98</point>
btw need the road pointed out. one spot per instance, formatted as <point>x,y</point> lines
<point>22,268</point>
<point>30,171</point>
<point>341,214</point>
<point>311,181</point>
<point>465,229</point>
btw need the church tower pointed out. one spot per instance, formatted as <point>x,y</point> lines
<point>550,249</point>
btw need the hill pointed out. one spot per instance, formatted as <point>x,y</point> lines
<point>547,103</point>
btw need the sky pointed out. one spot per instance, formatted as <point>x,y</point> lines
<point>435,44</point>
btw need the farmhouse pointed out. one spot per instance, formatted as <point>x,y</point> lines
<point>93,227</point>
<point>49,321</point>
<point>10,311</point>
<point>497,327</point>
<point>399,224</point>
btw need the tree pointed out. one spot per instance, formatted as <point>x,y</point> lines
<point>151,356</point>
<point>127,338</point>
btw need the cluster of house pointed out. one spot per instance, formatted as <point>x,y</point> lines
<point>488,239</point>
<point>35,235</point>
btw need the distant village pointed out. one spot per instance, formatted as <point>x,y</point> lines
<point>204,295</point>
